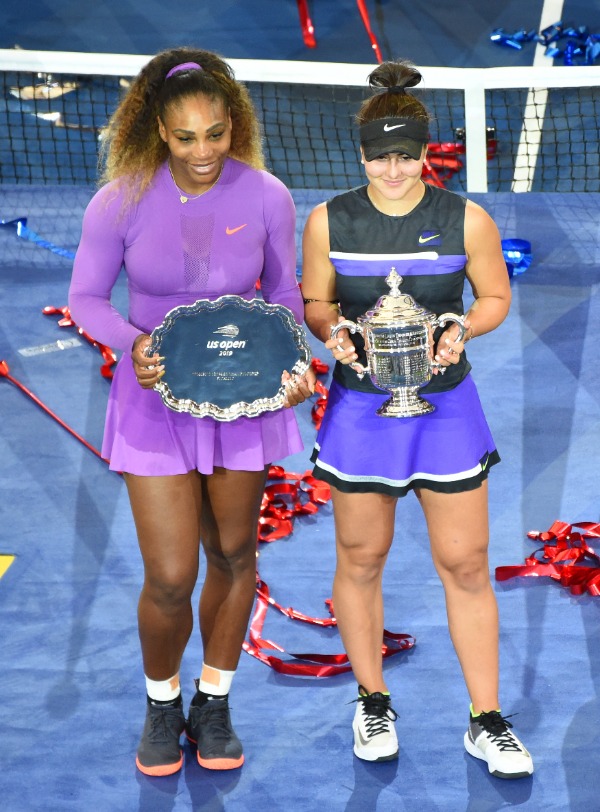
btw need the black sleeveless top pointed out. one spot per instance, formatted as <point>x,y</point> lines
<point>425,246</point>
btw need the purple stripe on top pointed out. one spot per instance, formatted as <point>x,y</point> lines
<point>425,263</point>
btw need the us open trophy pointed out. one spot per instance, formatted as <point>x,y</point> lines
<point>398,335</point>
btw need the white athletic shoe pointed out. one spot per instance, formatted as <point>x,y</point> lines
<point>374,732</point>
<point>489,738</point>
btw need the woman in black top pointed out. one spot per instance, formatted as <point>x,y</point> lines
<point>434,239</point>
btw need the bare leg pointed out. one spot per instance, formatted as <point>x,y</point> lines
<point>364,532</point>
<point>166,511</point>
<point>230,512</point>
<point>458,532</point>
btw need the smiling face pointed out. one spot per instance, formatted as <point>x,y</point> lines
<point>395,185</point>
<point>198,133</point>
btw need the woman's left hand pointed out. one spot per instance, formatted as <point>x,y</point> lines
<point>449,350</point>
<point>298,387</point>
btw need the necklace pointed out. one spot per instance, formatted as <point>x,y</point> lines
<point>182,196</point>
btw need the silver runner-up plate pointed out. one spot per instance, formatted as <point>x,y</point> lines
<point>224,359</point>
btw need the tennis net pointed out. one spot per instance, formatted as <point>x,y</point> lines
<point>493,129</point>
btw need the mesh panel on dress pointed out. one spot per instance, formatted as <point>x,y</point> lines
<point>197,234</point>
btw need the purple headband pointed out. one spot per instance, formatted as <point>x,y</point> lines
<point>183,66</point>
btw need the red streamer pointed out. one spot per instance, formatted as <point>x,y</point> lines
<point>319,366</point>
<point>308,664</point>
<point>443,160</point>
<point>318,409</point>
<point>308,30</point>
<point>562,558</point>
<point>5,373</point>
<point>283,501</point>
<point>295,495</point>
<point>362,8</point>
<point>105,351</point>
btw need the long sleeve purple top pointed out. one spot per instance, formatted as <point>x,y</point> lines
<point>240,231</point>
<point>221,243</point>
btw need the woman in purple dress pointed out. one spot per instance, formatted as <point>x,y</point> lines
<point>189,212</point>
<point>436,240</point>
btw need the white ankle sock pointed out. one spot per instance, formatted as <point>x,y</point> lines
<point>215,681</point>
<point>163,690</point>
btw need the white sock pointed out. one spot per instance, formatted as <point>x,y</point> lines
<point>163,690</point>
<point>214,681</point>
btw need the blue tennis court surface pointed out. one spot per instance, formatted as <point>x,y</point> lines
<point>70,571</point>
<point>72,680</point>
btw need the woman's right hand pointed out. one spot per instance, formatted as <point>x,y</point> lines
<point>341,346</point>
<point>148,370</point>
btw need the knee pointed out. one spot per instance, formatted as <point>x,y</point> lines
<point>470,574</point>
<point>238,556</point>
<point>361,564</point>
<point>169,590</point>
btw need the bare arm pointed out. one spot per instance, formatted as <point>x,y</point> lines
<point>318,286</point>
<point>486,271</point>
<point>487,274</point>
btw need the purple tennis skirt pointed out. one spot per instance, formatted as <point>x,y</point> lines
<point>449,450</point>
<point>143,436</point>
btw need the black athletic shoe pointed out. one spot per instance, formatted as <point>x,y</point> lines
<point>209,727</point>
<point>489,738</point>
<point>159,752</point>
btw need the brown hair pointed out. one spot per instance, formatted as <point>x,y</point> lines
<point>390,99</point>
<point>131,145</point>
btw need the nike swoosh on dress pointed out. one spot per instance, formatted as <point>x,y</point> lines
<point>233,230</point>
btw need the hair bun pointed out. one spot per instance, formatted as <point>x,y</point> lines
<point>394,76</point>
<point>414,79</point>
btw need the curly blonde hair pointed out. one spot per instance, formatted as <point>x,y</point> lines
<point>388,82</point>
<point>131,147</point>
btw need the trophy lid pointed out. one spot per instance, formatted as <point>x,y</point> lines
<point>396,306</point>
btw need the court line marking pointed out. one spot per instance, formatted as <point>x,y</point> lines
<point>5,562</point>
<point>535,110</point>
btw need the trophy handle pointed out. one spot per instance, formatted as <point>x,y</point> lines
<point>349,325</point>
<point>460,320</point>
<point>360,370</point>
<point>439,322</point>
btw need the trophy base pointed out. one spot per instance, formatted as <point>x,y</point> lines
<point>405,403</point>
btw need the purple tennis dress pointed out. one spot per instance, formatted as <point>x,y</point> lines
<point>241,230</point>
<point>450,449</point>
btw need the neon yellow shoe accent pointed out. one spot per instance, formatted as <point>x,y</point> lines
<point>475,715</point>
